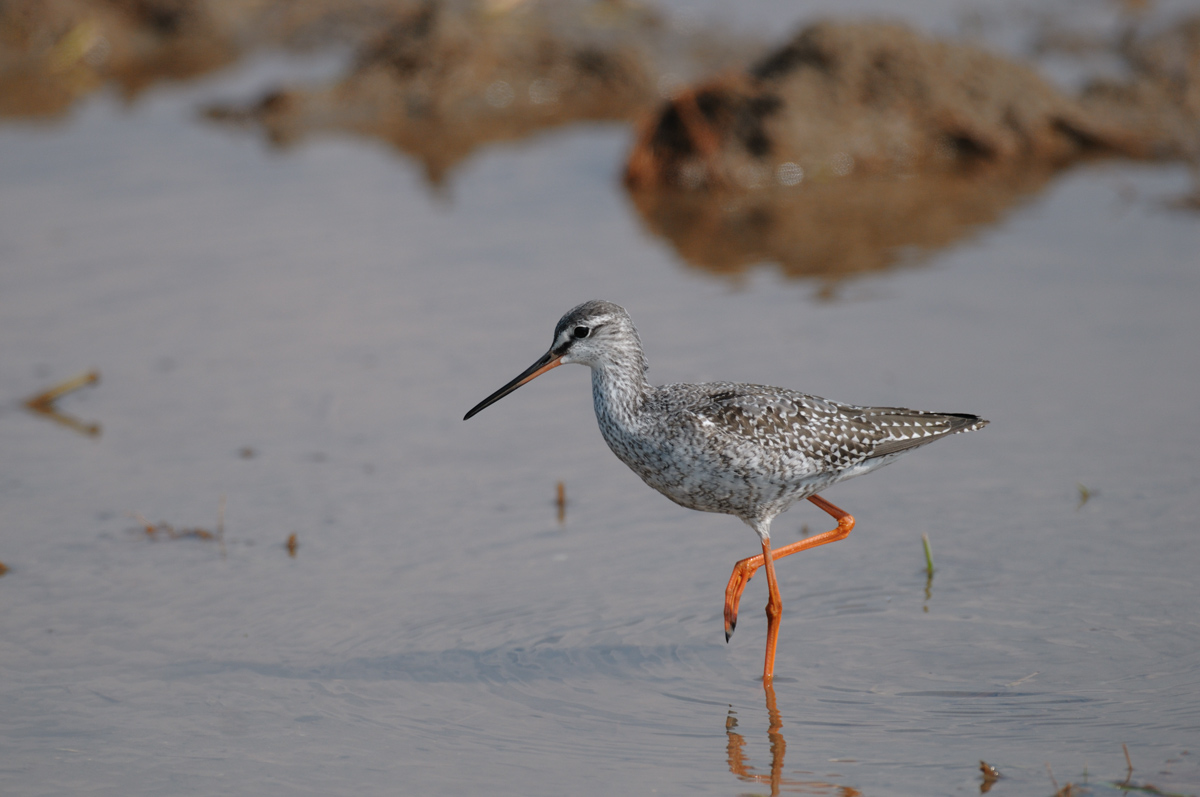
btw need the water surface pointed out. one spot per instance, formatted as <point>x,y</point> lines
<point>298,334</point>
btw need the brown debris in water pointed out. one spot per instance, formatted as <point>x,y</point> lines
<point>44,403</point>
<point>990,776</point>
<point>859,145</point>
<point>165,530</point>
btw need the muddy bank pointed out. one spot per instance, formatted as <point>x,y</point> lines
<point>52,52</point>
<point>434,79</point>
<point>851,147</point>
<point>445,79</point>
<point>877,98</point>
<point>439,81</point>
<point>859,144</point>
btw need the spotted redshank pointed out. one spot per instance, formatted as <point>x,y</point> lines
<point>745,450</point>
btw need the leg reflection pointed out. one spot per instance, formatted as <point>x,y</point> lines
<point>736,756</point>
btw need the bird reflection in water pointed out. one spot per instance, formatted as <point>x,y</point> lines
<point>743,771</point>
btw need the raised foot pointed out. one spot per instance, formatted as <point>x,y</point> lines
<point>743,571</point>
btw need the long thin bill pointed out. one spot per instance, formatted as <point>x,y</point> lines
<point>545,363</point>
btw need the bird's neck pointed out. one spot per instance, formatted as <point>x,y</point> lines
<point>619,388</point>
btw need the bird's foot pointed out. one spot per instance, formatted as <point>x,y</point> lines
<point>743,571</point>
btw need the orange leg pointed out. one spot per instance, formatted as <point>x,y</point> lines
<point>744,570</point>
<point>774,612</point>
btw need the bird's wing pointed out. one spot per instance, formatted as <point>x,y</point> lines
<point>798,424</point>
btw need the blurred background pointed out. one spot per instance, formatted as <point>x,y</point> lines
<point>258,257</point>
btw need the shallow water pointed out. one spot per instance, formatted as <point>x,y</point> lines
<point>298,334</point>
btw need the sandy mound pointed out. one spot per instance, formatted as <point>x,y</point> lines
<point>875,98</point>
<point>440,81</point>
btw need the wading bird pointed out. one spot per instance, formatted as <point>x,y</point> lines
<point>745,450</point>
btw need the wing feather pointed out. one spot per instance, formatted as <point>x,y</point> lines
<point>793,424</point>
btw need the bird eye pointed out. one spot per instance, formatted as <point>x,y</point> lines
<point>582,332</point>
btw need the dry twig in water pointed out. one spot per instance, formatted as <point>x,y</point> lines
<point>43,403</point>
